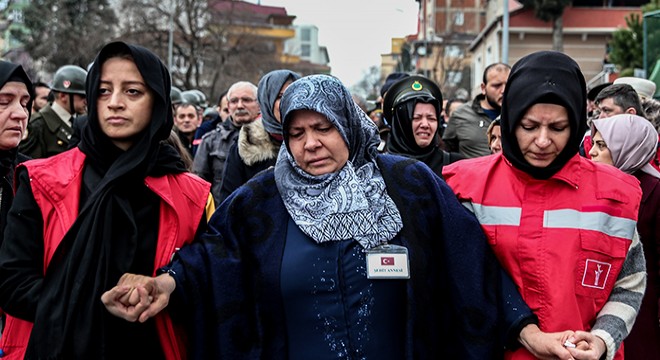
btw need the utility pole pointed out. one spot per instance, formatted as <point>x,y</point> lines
<point>170,42</point>
<point>505,33</point>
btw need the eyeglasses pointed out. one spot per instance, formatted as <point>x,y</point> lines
<point>245,100</point>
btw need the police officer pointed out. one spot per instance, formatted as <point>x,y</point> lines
<point>49,131</point>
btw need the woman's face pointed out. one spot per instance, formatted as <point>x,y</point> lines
<point>316,144</point>
<point>599,151</point>
<point>542,133</point>
<point>276,105</point>
<point>424,124</point>
<point>14,97</point>
<point>124,102</point>
<point>496,140</point>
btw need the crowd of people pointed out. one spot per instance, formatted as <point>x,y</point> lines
<point>292,220</point>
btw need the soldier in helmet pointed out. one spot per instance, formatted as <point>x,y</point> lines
<point>49,131</point>
<point>191,97</point>
<point>202,102</point>
<point>175,95</point>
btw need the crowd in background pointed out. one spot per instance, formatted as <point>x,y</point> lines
<point>292,219</point>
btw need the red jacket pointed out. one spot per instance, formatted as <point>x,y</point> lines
<point>563,240</point>
<point>56,184</point>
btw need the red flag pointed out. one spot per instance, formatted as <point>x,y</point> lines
<point>387,260</point>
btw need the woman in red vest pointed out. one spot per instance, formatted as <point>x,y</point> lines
<point>563,226</point>
<point>121,201</point>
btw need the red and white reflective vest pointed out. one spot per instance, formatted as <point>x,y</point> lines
<point>563,240</point>
<point>56,183</point>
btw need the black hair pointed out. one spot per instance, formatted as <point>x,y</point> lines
<point>622,95</point>
<point>222,95</point>
<point>453,100</point>
<point>40,84</point>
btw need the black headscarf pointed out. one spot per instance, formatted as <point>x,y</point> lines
<point>402,139</point>
<point>543,77</point>
<point>399,107</point>
<point>13,72</point>
<point>8,158</point>
<point>101,244</point>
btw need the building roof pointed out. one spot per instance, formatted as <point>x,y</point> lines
<point>253,12</point>
<point>577,18</point>
<point>590,19</point>
<point>242,6</point>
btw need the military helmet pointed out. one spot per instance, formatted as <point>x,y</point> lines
<point>70,79</point>
<point>201,98</point>
<point>175,95</point>
<point>191,97</point>
<point>409,88</point>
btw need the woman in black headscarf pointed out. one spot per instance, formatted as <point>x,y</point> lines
<point>13,122</point>
<point>259,141</point>
<point>412,106</point>
<point>119,202</point>
<point>563,227</point>
<point>16,94</point>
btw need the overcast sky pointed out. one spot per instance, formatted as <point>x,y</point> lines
<point>356,32</point>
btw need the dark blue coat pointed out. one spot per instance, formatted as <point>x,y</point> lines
<point>228,283</point>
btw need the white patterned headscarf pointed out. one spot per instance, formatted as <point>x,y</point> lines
<point>349,204</point>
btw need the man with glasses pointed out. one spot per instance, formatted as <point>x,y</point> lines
<point>49,131</point>
<point>209,162</point>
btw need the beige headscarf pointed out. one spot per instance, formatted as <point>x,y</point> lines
<point>632,140</point>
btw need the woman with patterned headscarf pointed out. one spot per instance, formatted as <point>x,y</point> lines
<point>629,142</point>
<point>337,252</point>
<point>563,226</point>
<point>119,202</point>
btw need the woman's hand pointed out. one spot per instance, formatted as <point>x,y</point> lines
<point>138,297</point>
<point>545,346</point>
<point>593,347</point>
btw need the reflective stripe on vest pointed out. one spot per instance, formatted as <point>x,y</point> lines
<point>495,215</point>
<point>557,219</point>
<point>596,221</point>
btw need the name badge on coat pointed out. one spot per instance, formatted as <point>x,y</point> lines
<point>388,262</point>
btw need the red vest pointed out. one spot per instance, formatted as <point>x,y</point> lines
<point>56,184</point>
<point>563,240</point>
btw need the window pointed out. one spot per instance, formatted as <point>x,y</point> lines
<point>453,51</point>
<point>305,35</point>
<point>454,77</point>
<point>305,50</point>
<point>459,18</point>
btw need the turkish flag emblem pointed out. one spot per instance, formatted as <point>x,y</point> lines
<point>387,260</point>
<point>66,84</point>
